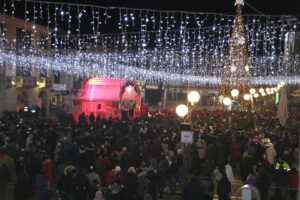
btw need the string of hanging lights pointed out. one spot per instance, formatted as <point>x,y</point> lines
<point>157,46</point>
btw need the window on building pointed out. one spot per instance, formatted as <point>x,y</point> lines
<point>43,72</point>
<point>56,77</point>
<point>23,71</point>
<point>182,96</point>
<point>43,42</point>
<point>153,96</point>
<point>207,100</point>
<point>23,39</point>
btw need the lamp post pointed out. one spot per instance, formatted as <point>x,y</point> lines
<point>183,110</point>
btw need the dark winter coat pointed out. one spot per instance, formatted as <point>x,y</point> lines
<point>224,188</point>
<point>192,192</point>
<point>130,184</point>
<point>42,191</point>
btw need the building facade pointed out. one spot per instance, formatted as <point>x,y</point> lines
<point>21,87</point>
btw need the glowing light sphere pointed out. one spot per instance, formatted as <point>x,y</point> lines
<point>255,95</point>
<point>252,90</point>
<point>247,68</point>
<point>247,97</point>
<point>181,110</point>
<point>227,101</point>
<point>193,96</point>
<point>275,89</point>
<point>268,89</point>
<point>261,90</point>
<point>128,88</point>
<point>234,92</point>
<point>263,94</point>
<point>232,68</point>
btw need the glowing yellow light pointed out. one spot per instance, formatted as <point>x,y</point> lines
<point>181,110</point>
<point>128,89</point>
<point>193,97</point>
<point>234,92</point>
<point>261,90</point>
<point>252,91</point>
<point>247,97</point>
<point>227,101</point>
<point>255,95</point>
<point>41,83</point>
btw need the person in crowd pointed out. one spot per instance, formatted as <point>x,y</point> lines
<point>81,186</point>
<point>130,184</point>
<point>47,168</point>
<point>271,155</point>
<point>281,176</point>
<point>251,179</point>
<point>293,183</point>
<point>115,189</point>
<point>99,194</point>
<point>94,181</point>
<point>229,174</point>
<point>4,179</point>
<point>263,182</point>
<point>30,146</point>
<point>42,192</point>
<point>224,187</point>
<point>207,185</point>
<point>193,190</point>
<point>65,182</point>
<point>92,118</point>
<point>142,183</point>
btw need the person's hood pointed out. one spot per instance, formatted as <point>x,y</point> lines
<point>68,169</point>
<point>143,173</point>
<point>46,161</point>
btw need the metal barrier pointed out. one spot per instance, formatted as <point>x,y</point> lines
<point>247,192</point>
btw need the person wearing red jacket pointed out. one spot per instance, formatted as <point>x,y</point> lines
<point>47,167</point>
<point>293,184</point>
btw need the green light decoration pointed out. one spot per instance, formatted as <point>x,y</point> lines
<point>277,98</point>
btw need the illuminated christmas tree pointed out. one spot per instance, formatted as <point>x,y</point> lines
<point>235,79</point>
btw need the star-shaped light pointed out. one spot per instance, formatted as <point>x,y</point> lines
<point>241,40</point>
<point>239,2</point>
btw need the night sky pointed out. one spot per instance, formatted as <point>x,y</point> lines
<point>267,7</point>
<point>220,6</point>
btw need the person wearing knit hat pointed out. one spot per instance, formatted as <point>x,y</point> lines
<point>118,168</point>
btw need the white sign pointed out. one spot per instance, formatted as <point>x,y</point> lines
<point>59,87</point>
<point>187,137</point>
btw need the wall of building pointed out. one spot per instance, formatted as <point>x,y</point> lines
<point>9,95</point>
<point>31,96</point>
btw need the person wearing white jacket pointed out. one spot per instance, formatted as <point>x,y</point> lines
<point>229,175</point>
<point>271,154</point>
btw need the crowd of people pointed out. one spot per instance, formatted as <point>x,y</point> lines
<point>143,159</point>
